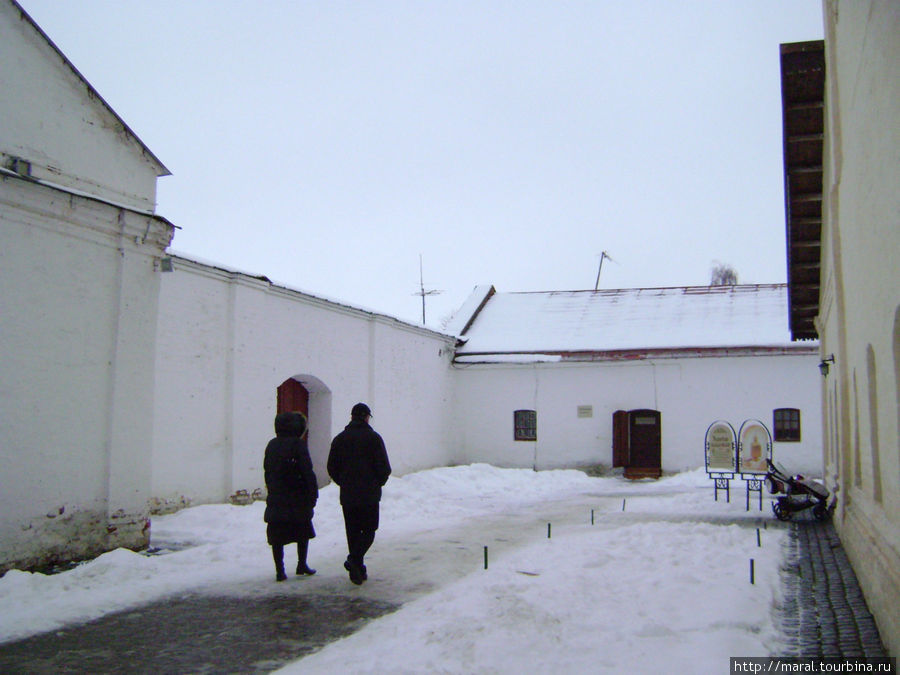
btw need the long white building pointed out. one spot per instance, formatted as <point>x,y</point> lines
<point>677,359</point>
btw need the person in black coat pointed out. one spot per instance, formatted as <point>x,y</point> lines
<point>292,492</point>
<point>358,463</point>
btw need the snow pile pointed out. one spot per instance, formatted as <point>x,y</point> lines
<point>658,581</point>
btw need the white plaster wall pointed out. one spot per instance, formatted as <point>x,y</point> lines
<point>859,307</point>
<point>77,316</point>
<point>54,120</point>
<point>690,394</point>
<point>227,340</point>
<point>190,434</point>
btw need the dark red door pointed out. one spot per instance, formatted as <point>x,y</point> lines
<point>620,438</point>
<point>293,397</point>
<point>645,444</point>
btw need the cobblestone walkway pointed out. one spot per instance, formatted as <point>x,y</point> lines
<point>825,614</point>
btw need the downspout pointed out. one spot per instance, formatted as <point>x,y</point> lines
<point>655,388</point>
<point>371,370</point>
<point>114,362</point>
<point>535,407</point>
<point>230,402</point>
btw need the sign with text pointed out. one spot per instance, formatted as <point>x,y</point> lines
<point>754,447</point>
<point>721,448</point>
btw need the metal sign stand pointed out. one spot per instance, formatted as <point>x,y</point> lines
<point>754,484</point>
<point>723,482</point>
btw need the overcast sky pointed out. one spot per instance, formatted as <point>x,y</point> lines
<point>328,144</point>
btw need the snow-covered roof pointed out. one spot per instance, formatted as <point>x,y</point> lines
<point>461,319</point>
<point>637,319</point>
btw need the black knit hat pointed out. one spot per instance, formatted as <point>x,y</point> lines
<point>292,423</point>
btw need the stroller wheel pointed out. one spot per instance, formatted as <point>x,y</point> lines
<point>820,511</point>
<point>780,511</point>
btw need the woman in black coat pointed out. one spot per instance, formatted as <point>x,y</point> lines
<point>292,491</point>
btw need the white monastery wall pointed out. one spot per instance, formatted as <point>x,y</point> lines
<point>690,393</point>
<point>859,305</point>
<point>57,122</point>
<point>77,315</point>
<point>227,341</point>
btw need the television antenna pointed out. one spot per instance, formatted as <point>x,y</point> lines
<point>603,255</point>
<point>422,292</point>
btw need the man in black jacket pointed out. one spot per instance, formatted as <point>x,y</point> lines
<point>358,463</point>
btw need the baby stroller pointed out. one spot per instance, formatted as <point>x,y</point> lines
<point>799,494</point>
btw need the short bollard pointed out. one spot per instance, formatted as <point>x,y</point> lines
<point>592,516</point>
<point>758,540</point>
<point>752,580</point>
<point>485,557</point>
<point>548,530</point>
<point>623,504</point>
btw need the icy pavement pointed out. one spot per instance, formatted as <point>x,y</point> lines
<point>196,634</point>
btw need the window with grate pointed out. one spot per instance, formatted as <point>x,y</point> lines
<point>525,425</point>
<point>787,424</point>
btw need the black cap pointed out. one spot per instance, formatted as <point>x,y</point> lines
<point>360,410</point>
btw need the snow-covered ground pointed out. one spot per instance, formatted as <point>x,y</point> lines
<point>660,581</point>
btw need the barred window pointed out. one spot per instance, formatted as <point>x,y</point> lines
<point>525,425</point>
<point>787,424</point>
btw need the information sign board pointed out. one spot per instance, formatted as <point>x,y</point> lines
<point>721,448</point>
<point>754,447</point>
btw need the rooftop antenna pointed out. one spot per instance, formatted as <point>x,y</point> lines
<point>422,292</point>
<point>603,255</point>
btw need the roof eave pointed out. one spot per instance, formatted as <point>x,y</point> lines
<point>802,103</point>
<point>625,355</point>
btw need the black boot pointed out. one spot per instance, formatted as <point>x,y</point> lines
<point>278,557</point>
<point>302,567</point>
<point>357,575</point>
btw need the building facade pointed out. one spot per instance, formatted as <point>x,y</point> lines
<point>576,360</point>
<point>844,93</point>
<point>79,256</point>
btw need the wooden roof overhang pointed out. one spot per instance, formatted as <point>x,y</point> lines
<point>802,103</point>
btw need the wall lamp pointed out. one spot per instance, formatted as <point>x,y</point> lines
<point>823,365</point>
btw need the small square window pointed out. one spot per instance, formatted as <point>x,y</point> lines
<point>525,425</point>
<point>787,424</point>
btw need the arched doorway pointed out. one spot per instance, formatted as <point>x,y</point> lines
<point>309,395</point>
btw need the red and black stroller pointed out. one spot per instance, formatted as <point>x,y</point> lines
<point>799,494</point>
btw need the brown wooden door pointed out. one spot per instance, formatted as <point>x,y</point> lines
<point>293,397</point>
<point>620,438</point>
<point>644,444</point>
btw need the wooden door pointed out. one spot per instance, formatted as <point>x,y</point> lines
<point>620,438</point>
<point>293,397</point>
<point>644,444</point>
